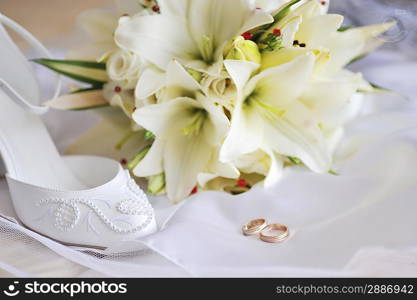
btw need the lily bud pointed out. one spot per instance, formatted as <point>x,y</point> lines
<point>241,49</point>
<point>156,184</point>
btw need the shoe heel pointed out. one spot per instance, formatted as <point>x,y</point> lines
<point>2,168</point>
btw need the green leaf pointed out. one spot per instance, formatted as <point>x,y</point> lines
<point>156,184</point>
<point>295,160</point>
<point>239,190</point>
<point>90,107</point>
<point>378,89</point>
<point>125,139</point>
<point>83,71</point>
<point>282,13</point>
<point>138,158</point>
<point>149,135</point>
<point>357,58</point>
<point>92,88</point>
<point>344,28</point>
<point>332,172</point>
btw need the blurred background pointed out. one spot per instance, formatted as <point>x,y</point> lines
<point>49,19</point>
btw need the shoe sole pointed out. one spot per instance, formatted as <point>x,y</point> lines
<point>64,243</point>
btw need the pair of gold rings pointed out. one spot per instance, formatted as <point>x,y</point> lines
<point>260,226</point>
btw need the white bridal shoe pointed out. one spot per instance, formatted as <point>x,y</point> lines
<point>80,200</point>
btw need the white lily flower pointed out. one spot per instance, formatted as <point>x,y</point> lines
<point>188,132</point>
<point>177,83</point>
<point>308,28</point>
<point>188,129</point>
<point>100,26</point>
<point>304,28</point>
<point>163,86</point>
<point>269,116</point>
<point>192,31</point>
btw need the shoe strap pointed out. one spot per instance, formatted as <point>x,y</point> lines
<point>35,43</point>
<point>19,100</point>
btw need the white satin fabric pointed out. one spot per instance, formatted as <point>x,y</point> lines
<point>360,223</point>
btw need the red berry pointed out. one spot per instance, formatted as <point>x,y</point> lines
<point>123,161</point>
<point>277,31</point>
<point>155,8</point>
<point>323,2</point>
<point>194,191</point>
<point>247,35</point>
<point>117,89</point>
<point>242,182</point>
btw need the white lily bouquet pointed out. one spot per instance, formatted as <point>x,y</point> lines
<point>219,94</point>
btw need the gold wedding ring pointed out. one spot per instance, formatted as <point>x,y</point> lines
<point>254,227</point>
<point>268,237</point>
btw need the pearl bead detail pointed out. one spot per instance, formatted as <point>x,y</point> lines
<point>67,213</point>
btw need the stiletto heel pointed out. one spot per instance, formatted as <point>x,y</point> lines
<point>2,168</point>
<point>80,200</point>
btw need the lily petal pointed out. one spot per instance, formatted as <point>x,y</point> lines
<point>220,20</point>
<point>157,38</point>
<point>151,80</point>
<point>298,135</point>
<point>178,76</point>
<point>254,162</point>
<point>240,71</point>
<point>245,135</point>
<point>214,130</point>
<point>326,98</point>
<point>282,56</point>
<point>352,43</point>
<point>162,119</point>
<point>151,164</point>
<point>315,31</point>
<point>217,169</point>
<point>184,158</point>
<point>282,84</point>
<point>98,24</point>
<point>275,170</point>
<point>289,31</point>
<point>257,19</point>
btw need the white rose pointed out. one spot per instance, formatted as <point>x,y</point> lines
<point>125,68</point>
<point>221,89</point>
